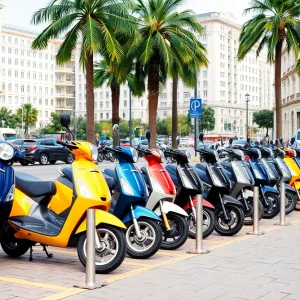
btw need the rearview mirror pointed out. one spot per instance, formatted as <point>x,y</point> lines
<point>230,141</point>
<point>65,120</point>
<point>201,136</point>
<point>292,141</point>
<point>148,135</point>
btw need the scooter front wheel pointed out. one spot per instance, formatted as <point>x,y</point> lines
<point>112,252</point>
<point>273,206</point>
<point>149,242</point>
<point>290,201</point>
<point>233,225</point>
<point>15,247</point>
<point>250,213</point>
<point>178,233</point>
<point>209,220</point>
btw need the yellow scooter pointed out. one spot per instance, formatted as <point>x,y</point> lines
<point>54,214</point>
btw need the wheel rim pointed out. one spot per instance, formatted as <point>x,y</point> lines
<point>70,158</point>
<point>272,205</point>
<point>232,223</point>
<point>289,201</point>
<point>192,222</point>
<point>12,245</point>
<point>109,247</point>
<point>44,159</point>
<point>145,242</point>
<point>250,212</point>
<point>171,236</point>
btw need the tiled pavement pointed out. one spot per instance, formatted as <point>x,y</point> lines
<point>240,267</point>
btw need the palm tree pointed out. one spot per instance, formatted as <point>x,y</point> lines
<point>114,74</point>
<point>166,34</point>
<point>274,23</point>
<point>93,23</point>
<point>28,114</point>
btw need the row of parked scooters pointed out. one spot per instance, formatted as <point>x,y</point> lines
<point>137,211</point>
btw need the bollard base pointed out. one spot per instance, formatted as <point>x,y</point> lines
<point>198,251</point>
<point>96,285</point>
<point>255,233</point>
<point>279,224</point>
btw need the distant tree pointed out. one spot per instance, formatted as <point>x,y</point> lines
<point>207,122</point>
<point>161,127</point>
<point>54,125</point>
<point>183,126</point>
<point>30,115</point>
<point>264,119</point>
<point>10,120</point>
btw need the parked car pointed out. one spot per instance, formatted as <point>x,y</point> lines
<point>22,144</point>
<point>49,151</point>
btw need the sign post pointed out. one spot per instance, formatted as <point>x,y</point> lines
<point>196,113</point>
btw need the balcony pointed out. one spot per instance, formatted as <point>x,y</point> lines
<point>61,69</point>
<point>64,82</point>
<point>64,108</point>
<point>292,97</point>
<point>65,95</point>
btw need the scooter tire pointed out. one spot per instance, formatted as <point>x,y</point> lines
<point>275,211</point>
<point>293,198</point>
<point>179,222</point>
<point>249,222</point>
<point>100,156</point>
<point>240,220</point>
<point>119,237</point>
<point>15,250</point>
<point>208,214</point>
<point>156,227</point>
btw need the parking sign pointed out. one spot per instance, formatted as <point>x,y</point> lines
<point>196,108</point>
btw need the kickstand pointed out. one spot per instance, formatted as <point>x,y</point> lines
<point>30,254</point>
<point>49,255</point>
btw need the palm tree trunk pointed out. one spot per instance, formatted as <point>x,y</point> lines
<point>90,99</point>
<point>174,112</point>
<point>115,98</point>
<point>153,89</point>
<point>278,90</point>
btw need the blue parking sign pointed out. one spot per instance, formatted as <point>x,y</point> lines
<point>196,108</point>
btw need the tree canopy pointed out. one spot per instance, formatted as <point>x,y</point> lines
<point>264,119</point>
<point>207,122</point>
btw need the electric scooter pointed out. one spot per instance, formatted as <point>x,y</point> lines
<point>54,213</point>
<point>129,199</point>
<point>229,211</point>
<point>162,193</point>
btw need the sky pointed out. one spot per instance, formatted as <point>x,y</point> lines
<point>19,12</point>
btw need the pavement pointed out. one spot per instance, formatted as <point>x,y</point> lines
<point>239,267</point>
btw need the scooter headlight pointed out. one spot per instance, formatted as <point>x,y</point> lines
<point>84,189</point>
<point>126,187</point>
<point>162,155</point>
<point>11,194</point>
<point>94,152</point>
<point>6,151</point>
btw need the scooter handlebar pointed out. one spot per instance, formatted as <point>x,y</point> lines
<point>70,146</point>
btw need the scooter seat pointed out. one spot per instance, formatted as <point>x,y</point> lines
<point>110,182</point>
<point>33,186</point>
<point>111,173</point>
<point>68,173</point>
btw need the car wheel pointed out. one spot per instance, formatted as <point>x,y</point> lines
<point>70,158</point>
<point>43,159</point>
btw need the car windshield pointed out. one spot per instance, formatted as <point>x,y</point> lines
<point>298,136</point>
<point>9,136</point>
<point>28,143</point>
<point>240,142</point>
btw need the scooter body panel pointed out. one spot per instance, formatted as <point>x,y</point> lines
<point>269,189</point>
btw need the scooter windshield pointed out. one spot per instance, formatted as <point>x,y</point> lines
<point>242,172</point>
<point>217,175</point>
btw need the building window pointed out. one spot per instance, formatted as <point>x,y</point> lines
<point>186,94</point>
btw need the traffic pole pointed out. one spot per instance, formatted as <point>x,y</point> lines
<point>282,220</point>
<point>199,228</point>
<point>255,213</point>
<point>90,276</point>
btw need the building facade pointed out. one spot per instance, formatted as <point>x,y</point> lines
<point>290,95</point>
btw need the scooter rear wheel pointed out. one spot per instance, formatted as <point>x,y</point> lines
<point>15,248</point>
<point>178,234</point>
<point>113,250</point>
<point>290,202</point>
<point>249,214</point>
<point>209,220</point>
<point>150,241</point>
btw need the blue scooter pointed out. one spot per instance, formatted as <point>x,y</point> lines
<point>129,198</point>
<point>268,195</point>
<point>7,180</point>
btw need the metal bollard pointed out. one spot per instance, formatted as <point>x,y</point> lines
<point>255,213</point>
<point>90,280</point>
<point>199,229</point>
<point>282,220</point>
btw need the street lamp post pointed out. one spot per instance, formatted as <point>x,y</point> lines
<point>247,98</point>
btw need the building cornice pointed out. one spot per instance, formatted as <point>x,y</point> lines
<point>291,100</point>
<point>222,21</point>
<point>290,71</point>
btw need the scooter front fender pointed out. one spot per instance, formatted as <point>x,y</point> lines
<point>289,188</point>
<point>102,216</point>
<point>171,207</point>
<point>230,200</point>
<point>268,189</point>
<point>139,212</point>
<point>205,203</point>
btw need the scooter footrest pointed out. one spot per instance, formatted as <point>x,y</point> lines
<point>35,225</point>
